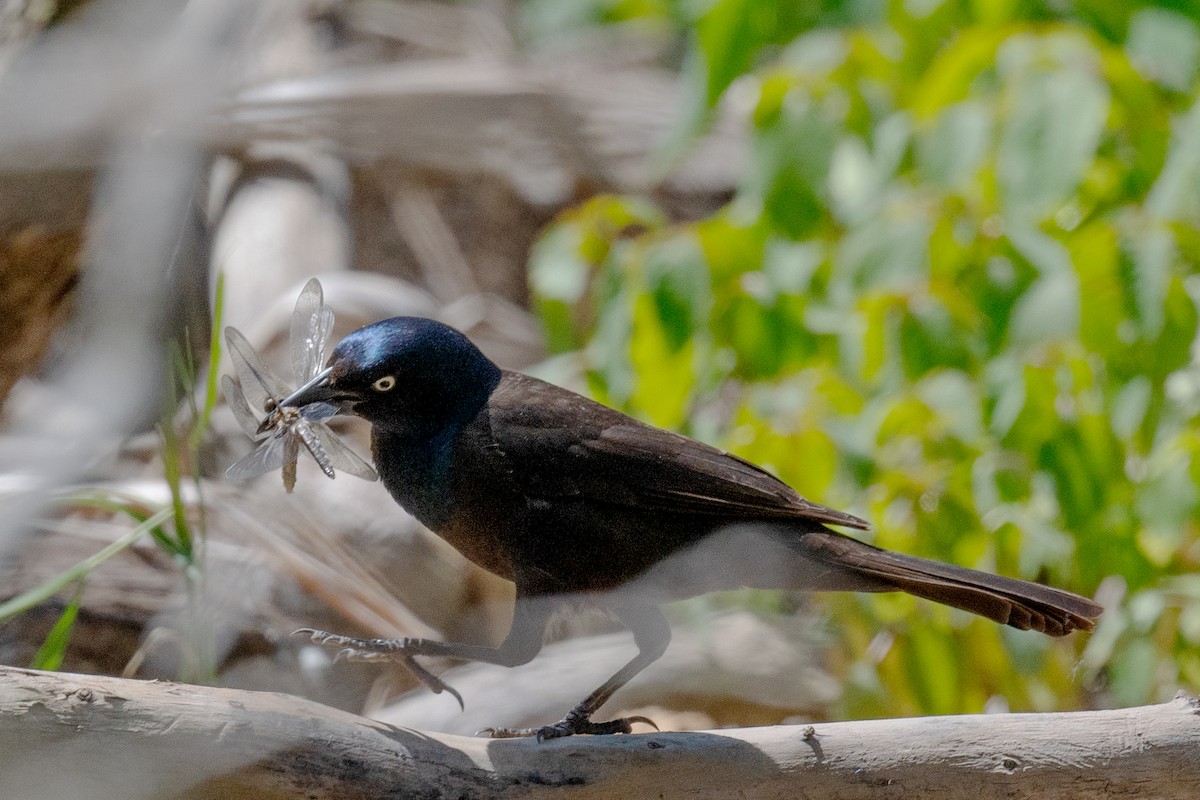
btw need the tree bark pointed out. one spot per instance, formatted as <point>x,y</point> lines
<point>75,736</point>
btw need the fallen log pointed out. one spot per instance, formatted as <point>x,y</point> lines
<point>73,736</point>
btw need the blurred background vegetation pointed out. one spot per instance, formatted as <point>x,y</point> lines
<point>933,263</point>
<point>955,292</point>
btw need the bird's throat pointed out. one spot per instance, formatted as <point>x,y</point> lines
<point>417,471</point>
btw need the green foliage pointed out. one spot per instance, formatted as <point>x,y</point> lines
<point>956,293</point>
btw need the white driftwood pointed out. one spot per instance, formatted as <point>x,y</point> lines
<point>73,736</point>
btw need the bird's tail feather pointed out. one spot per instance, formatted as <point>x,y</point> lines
<point>853,565</point>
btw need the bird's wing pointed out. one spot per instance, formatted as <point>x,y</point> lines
<point>560,444</point>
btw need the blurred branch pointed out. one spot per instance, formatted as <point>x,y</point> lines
<point>543,127</point>
<point>97,393</point>
<point>432,240</point>
<point>60,734</point>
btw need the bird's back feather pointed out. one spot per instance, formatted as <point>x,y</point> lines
<point>562,445</point>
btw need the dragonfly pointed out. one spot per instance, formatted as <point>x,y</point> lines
<point>285,430</point>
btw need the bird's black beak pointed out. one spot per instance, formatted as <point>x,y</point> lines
<point>317,390</point>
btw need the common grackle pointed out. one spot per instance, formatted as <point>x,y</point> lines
<point>567,498</point>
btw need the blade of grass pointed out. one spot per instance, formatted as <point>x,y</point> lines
<point>126,504</point>
<point>181,545</point>
<point>212,387</point>
<point>27,600</point>
<point>50,655</point>
<point>202,421</point>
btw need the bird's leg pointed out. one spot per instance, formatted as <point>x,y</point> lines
<point>523,642</point>
<point>652,634</point>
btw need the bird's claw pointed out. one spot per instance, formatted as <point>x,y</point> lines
<point>355,654</point>
<point>354,649</point>
<point>644,720</point>
<point>570,725</point>
<point>325,637</point>
<point>432,682</point>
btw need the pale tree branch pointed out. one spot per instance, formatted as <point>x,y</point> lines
<point>73,736</point>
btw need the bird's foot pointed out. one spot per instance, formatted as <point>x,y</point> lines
<point>355,649</point>
<point>575,722</point>
<point>351,648</point>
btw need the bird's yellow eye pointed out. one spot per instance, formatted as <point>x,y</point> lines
<point>384,384</point>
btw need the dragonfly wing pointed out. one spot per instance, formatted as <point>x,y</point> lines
<point>341,456</point>
<point>315,412</point>
<point>320,340</point>
<point>312,322</point>
<point>258,383</point>
<point>246,418</point>
<point>267,457</point>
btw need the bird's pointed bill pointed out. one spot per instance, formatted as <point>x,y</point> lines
<point>312,398</point>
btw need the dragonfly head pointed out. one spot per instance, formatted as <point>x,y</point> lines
<point>316,400</point>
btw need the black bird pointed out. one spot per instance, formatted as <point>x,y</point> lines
<point>567,498</point>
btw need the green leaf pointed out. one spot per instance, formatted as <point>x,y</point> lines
<point>955,400</point>
<point>883,255</point>
<point>929,339</point>
<point>952,151</point>
<point>52,652</point>
<point>1173,347</point>
<point>556,270</point>
<point>1095,252</point>
<point>677,280</point>
<point>756,334</point>
<point>790,266</point>
<point>607,350</point>
<point>731,248</point>
<point>932,667</point>
<point>1151,256</point>
<point>1129,407</point>
<point>1134,672</point>
<point>1166,502</point>
<point>728,36</point>
<point>558,278</point>
<point>1049,309</point>
<point>792,154</point>
<point>1176,193</point>
<point>1053,123</point>
<point>664,374</point>
<point>1164,46</point>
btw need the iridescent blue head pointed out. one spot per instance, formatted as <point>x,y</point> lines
<point>409,375</point>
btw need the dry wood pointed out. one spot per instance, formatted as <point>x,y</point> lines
<point>71,736</point>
